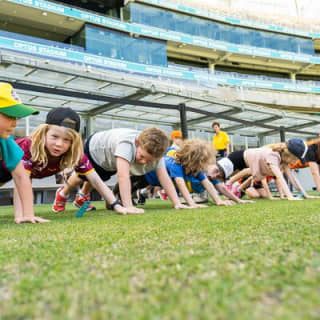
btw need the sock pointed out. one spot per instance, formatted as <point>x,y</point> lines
<point>61,193</point>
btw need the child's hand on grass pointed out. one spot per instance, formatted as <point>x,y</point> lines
<point>312,197</point>
<point>294,198</point>
<point>201,206</point>
<point>224,203</point>
<point>181,206</point>
<point>34,219</point>
<point>120,209</point>
<point>245,201</point>
<point>134,210</point>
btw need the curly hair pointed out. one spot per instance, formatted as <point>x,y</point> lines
<point>195,155</point>
<point>282,148</point>
<point>38,147</point>
<point>154,141</point>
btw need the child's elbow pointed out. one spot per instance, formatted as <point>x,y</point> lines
<point>20,178</point>
<point>123,176</point>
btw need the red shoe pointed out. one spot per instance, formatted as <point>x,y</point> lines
<point>162,194</point>
<point>80,199</point>
<point>59,204</point>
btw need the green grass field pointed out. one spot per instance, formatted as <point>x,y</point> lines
<point>258,261</point>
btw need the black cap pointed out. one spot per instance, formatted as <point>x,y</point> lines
<point>298,148</point>
<point>64,117</point>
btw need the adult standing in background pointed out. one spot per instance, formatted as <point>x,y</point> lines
<point>220,141</point>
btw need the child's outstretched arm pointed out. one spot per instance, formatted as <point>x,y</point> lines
<point>280,190</point>
<point>244,185</point>
<point>186,194</point>
<point>123,173</point>
<point>214,194</point>
<point>169,188</point>
<point>229,194</point>
<point>23,197</point>
<point>297,184</point>
<point>105,192</point>
<point>267,189</point>
<point>243,173</point>
<point>282,183</point>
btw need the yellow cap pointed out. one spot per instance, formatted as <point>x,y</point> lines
<point>11,105</point>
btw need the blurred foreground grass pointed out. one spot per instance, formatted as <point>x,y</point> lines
<point>258,261</point>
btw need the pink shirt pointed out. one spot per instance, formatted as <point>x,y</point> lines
<point>259,161</point>
<point>36,171</point>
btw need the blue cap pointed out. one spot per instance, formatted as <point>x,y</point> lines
<point>298,148</point>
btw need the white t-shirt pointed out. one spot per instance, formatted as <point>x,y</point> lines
<point>106,146</point>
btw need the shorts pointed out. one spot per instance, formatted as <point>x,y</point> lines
<point>221,154</point>
<point>5,175</point>
<point>137,183</point>
<point>103,174</point>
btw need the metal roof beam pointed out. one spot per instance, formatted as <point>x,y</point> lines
<point>293,129</point>
<point>249,123</point>
<point>110,106</point>
<point>241,126</point>
<point>217,115</point>
<point>89,96</point>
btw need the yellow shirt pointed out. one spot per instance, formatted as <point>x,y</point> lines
<point>220,141</point>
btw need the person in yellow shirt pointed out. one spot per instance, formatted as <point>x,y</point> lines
<point>220,141</point>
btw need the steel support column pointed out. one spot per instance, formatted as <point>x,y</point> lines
<point>183,120</point>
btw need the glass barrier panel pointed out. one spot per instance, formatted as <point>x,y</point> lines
<point>118,45</point>
<point>201,27</point>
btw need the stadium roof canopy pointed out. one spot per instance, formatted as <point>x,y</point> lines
<point>111,94</point>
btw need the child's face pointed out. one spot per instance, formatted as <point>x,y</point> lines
<point>58,141</point>
<point>143,156</point>
<point>177,141</point>
<point>214,172</point>
<point>7,125</point>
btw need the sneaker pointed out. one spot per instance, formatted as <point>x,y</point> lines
<point>59,204</point>
<point>200,200</point>
<point>141,197</point>
<point>162,194</point>
<point>80,199</point>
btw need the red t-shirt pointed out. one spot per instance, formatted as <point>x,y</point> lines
<point>36,171</point>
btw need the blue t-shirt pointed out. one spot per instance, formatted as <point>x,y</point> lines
<point>197,187</point>
<point>10,153</point>
<point>175,170</point>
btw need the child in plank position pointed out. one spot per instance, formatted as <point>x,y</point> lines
<point>312,160</point>
<point>290,152</point>
<point>124,152</point>
<point>11,166</point>
<point>185,166</point>
<point>263,162</point>
<point>57,145</point>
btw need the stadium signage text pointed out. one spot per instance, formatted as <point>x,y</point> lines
<point>161,34</point>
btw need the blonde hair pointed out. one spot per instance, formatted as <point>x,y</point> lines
<point>195,155</point>
<point>154,141</point>
<point>70,159</point>
<point>282,148</point>
<point>313,141</point>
